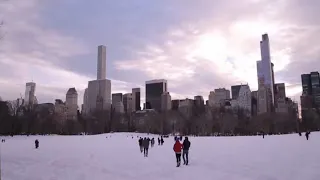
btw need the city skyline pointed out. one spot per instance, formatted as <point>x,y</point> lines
<point>58,55</point>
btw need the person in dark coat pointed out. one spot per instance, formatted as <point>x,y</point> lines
<point>141,145</point>
<point>36,142</point>
<point>162,141</point>
<point>263,134</point>
<point>307,135</point>
<point>159,141</point>
<point>185,154</point>
<point>145,143</point>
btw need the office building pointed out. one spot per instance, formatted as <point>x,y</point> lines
<point>165,101</point>
<point>72,104</point>
<point>265,72</point>
<point>29,98</point>
<point>85,109</point>
<point>244,99</point>
<point>117,102</point>
<point>211,100</point>
<point>235,91</point>
<point>175,104</point>
<point>263,100</point>
<point>220,96</point>
<point>136,99</point>
<point>127,102</point>
<point>99,91</point>
<point>199,101</point>
<point>280,98</point>
<point>306,84</point>
<point>154,91</point>
<point>117,97</point>
<point>315,85</point>
<point>99,95</point>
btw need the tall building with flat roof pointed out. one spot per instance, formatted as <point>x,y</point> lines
<point>136,98</point>
<point>165,101</point>
<point>117,102</point>
<point>72,103</point>
<point>127,102</point>
<point>29,98</point>
<point>99,95</point>
<point>306,84</point>
<point>154,91</point>
<point>102,62</point>
<point>117,97</point>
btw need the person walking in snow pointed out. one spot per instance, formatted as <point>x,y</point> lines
<point>159,141</point>
<point>152,142</point>
<point>185,154</point>
<point>177,147</point>
<point>162,141</point>
<point>307,135</point>
<point>141,145</point>
<point>145,143</point>
<point>36,142</point>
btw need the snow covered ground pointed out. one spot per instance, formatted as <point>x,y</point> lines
<point>283,157</point>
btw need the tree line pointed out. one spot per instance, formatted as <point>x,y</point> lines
<point>196,120</point>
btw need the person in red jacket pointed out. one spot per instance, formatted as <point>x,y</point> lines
<point>177,147</point>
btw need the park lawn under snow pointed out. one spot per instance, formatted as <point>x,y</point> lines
<point>281,157</point>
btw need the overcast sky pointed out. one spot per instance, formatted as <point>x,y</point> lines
<point>197,45</point>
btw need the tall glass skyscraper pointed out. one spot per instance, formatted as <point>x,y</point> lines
<point>265,72</point>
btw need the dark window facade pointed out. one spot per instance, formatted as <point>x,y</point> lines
<point>137,101</point>
<point>235,91</point>
<point>153,95</point>
<point>306,84</point>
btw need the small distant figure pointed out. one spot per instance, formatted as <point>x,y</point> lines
<point>180,138</point>
<point>185,154</point>
<point>140,144</point>
<point>300,134</point>
<point>162,141</point>
<point>177,147</point>
<point>263,134</point>
<point>159,142</point>
<point>152,142</point>
<point>3,140</point>
<point>307,134</point>
<point>145,143</point>
<point>36,142</point>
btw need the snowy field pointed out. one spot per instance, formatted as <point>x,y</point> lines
<point>283,157</point>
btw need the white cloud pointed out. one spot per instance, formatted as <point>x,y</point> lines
<point>30,52</point>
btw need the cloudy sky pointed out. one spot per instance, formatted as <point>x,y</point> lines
<point>197,45</point>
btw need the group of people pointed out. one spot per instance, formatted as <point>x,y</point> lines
<point>184,147</point>
<point>144,144</point>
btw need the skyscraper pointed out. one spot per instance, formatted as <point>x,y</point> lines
<point>127,102</point>
<point>29,97</point>
<point>154,91</point>
<point>306,84</point>
<point>72,103</point>
<point>117,97</point>
<point>235,91</point>
<point>102,60</point>
<point>265,73</point>
<point>136,99</point>
<point>99,91</point>
<point>315,84</point>
<point>117,102</point>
